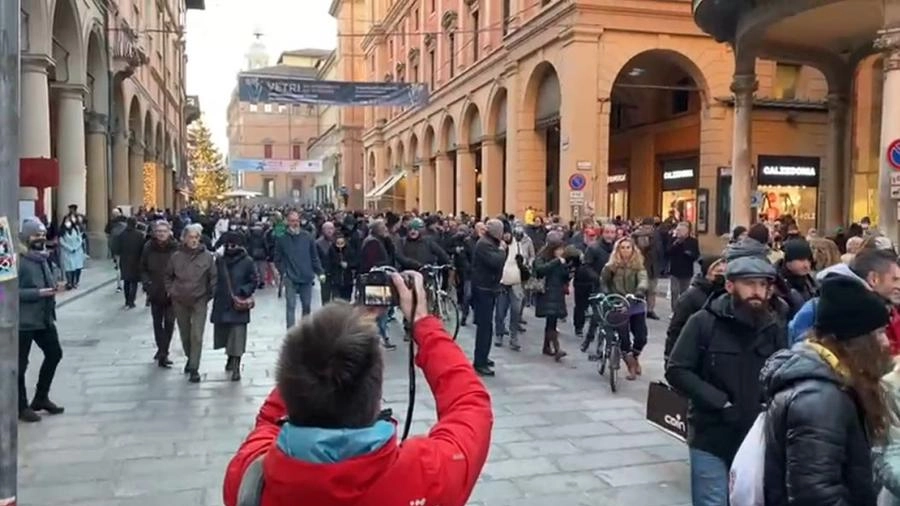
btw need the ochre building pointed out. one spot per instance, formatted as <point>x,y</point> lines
<point>574,107</point>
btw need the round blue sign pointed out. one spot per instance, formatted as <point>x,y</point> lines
<point>577,182</point>
<point>893,154</point>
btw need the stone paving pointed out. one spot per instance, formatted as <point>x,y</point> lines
<point>135,435</point>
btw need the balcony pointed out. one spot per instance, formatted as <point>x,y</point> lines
<point>191,109</point>
<point>128,50</point>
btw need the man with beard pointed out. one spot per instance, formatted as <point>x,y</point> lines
<point>154,262</point>
<point>297,259</point>
<point>487,268</point>
<point>715,363</point>
<point>596,256</point>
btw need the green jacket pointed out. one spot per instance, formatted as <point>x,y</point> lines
<point>623,281</point>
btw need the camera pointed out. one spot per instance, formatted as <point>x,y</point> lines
<point>377,288</point>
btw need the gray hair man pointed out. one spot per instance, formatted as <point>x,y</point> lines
<point>190,283</point>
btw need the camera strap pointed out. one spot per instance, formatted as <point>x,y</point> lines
<point>407,424</point>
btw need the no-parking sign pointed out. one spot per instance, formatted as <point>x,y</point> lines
<point>893,154</point>
<point>577,182</point>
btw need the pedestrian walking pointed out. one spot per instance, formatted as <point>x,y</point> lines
<point>297,259</point>
<point>233,301</point>
<point>154,262</point>
<point>132,248</point>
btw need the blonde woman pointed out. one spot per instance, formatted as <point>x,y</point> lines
<point>625,274</point>
<point>825,253</point>
<point>854,244</point>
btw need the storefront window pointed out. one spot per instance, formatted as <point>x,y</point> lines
<point>789,186</point>
<point>679,189</point>
<point>618,195</point>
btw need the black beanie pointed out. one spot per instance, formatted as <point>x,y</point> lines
<point>234,237</point>
<point>848,309</point>
<point>706,262</point>
<point>797,249</point>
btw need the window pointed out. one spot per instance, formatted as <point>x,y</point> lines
<point>617,116</point>
<point>414,73</point>
<point>391,49</point>
<point>282,108</point>
<point>431,69</point>
<point>681,98</point>
<point>476,39</point>
<point>506,14</point>
<point>254,107</point>
<point>416,19</point>
<point>451,48</point>
<point>295,152</point>
<point>786,78</point>
<point>267,151</point>
<point>269,187</point>
<point>267,107</point>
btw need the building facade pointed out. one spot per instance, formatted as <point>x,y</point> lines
<point>583,107</point>
<point>855,44</point>
<point>268,144</point>
<point>103,106</point>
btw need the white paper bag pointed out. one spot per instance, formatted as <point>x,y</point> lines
<point>745,480</point>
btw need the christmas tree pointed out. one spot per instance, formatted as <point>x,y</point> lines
<point>205,165</point>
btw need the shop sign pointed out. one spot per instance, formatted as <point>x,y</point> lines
<point>788,170</point>
<point>679,179</point>
<point>670,175</point>
<point>617,178</point>
<point>893,154</point>
<point>584,165</point>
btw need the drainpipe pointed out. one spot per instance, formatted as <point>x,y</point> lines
<point>110,114</point>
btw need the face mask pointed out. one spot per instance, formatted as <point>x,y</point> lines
<point>719,281</point>
<point>232,227</point>
<point>37,244</point>
<point>68,225</point>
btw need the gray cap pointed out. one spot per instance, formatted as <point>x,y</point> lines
<point>30,227</point>
<point>749,267</point>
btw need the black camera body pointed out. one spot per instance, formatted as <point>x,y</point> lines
<point>377,288</point>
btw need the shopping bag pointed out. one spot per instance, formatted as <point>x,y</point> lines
<point>747,474</point>
<point>667,410</point>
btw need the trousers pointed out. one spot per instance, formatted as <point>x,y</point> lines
<point>191,319</point>
<point>48,341</point>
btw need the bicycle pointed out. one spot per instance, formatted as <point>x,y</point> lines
<point>440,303</point>
<point>610,313</point>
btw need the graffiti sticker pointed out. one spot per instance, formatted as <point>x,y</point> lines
<point>7,252</point>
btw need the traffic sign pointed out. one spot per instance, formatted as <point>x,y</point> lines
<point>756,199</point>
<point>577,182</point>
<point>576,197</point>
<point>893,154</point>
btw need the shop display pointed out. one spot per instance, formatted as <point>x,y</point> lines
<point>683,203</point>
<point>679,189</point>
<point>789,186</point>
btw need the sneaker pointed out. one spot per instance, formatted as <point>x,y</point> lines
<point>28,415</point>
<point>388,345</point>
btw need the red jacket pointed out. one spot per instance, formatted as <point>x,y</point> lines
<point>893,331</point>
<point>438,469</point>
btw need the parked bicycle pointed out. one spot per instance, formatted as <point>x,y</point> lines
<point>610,313</point>
<point>441,303</point>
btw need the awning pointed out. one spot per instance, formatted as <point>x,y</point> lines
<point>379,191</point>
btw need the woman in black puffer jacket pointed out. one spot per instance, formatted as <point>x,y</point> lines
<point>825,405</point>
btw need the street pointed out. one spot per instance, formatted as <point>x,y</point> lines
<point>134,434</point>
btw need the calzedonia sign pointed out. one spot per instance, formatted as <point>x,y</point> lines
<point>788,170</point>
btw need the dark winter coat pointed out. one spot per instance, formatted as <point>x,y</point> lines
<point>256,245</point>
<point>35,273</point>
<point>682,254</point>
<point>461,248</point>
<point>417,253</point>
<point>651,247</point>
<point>716,360</point>
<point>692,300</point>
<point>154,262</point>
<point>376,252</point>
<point>335,274</point>
<point>297,257</point>
<point>817,452</point>
<point>596,256</point>
<point>487,263</point>
<point>239,271</point>
<point>131,245</point>
<point>556,275</point>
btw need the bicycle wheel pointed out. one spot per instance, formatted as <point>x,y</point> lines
<point>601,352</point>
<point>614,358</point>
<point>449,314</point>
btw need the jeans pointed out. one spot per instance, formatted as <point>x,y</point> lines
<point>48,341</point>
<point>709,479</point>
<point>509,309</point>
<point>651,295</point>
<point>636,326</point>
<point>130,292</point>
<point>291,291</point>
<point>483,301</point>
<point>382,321</point>
<point>163,327</point>
<point>678,286</point>
<point>582,293</point>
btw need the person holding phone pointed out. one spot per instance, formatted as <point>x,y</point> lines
<point>37,320</point>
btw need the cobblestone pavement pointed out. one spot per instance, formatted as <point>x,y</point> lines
<point>136,435</point>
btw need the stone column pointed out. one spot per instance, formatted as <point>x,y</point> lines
<point>97,187</point>
<point>135,174</point>
<point>492,177</point>
<point>412,188</point>
<point>444,184</point>
<point>830,207</point>
<point>34,122</point>
<point>120,170</point>
<point>427,186</point>
<point>465,181</point>
<point>70,148</point>
<point>888,42</point>
<point>743,87</point>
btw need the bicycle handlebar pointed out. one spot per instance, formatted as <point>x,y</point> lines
<point>434,268</point>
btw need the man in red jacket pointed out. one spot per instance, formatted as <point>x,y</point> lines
<point>319,438</point>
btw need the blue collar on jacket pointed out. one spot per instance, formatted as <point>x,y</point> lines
<point>328,446</point>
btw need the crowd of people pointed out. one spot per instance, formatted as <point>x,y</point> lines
<point>799,327</point>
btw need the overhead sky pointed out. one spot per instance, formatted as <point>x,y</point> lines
<point>219,36</point>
